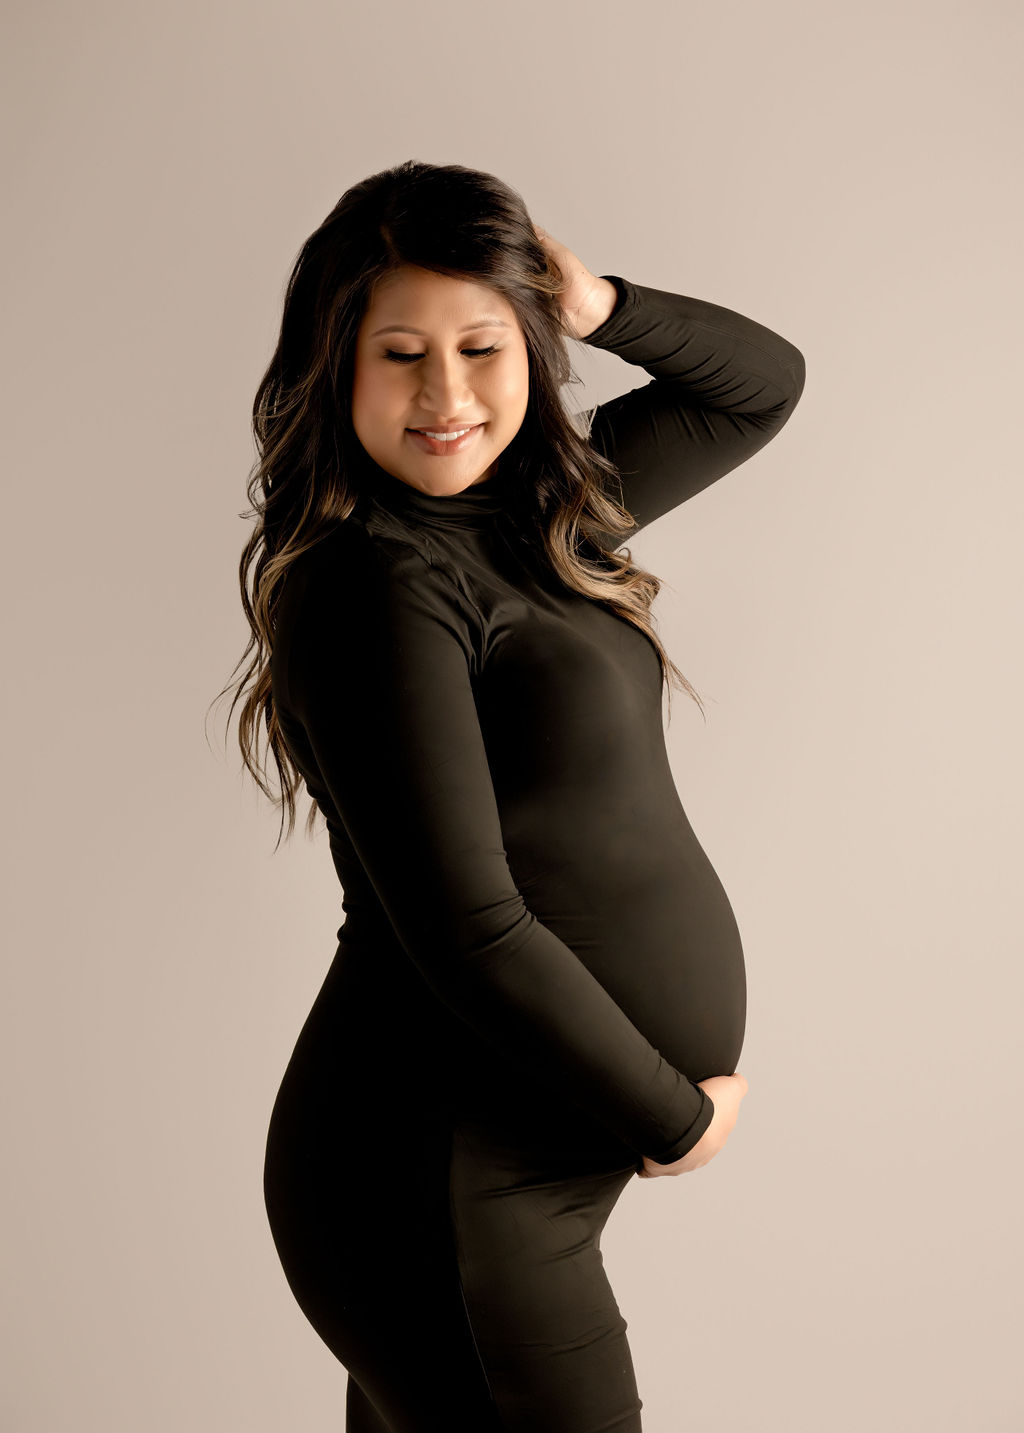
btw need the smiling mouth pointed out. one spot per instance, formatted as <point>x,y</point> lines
<point>448,437</point>
<point>448,445</point>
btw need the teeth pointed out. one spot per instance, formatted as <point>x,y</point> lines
<point>445,437</point>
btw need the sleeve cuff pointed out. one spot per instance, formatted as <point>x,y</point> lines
<point>687,1140</point>
<point>627,299</point>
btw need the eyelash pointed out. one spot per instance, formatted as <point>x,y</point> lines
<point>411,357</point>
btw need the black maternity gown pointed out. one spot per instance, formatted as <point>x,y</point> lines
<point>537,960</point>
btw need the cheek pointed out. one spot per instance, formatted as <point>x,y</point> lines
<point>512,392</point>
<point>373,398</point>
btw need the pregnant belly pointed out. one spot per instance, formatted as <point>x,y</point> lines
<point>380,1049</point>
<point>666,946</point>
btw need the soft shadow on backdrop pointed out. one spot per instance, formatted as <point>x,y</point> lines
<point>848,606</point>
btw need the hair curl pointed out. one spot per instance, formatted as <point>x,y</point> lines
<point>306,478</point>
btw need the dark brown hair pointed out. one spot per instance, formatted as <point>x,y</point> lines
<point>306,479</point>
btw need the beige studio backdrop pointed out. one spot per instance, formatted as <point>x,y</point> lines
<point>848,605</point>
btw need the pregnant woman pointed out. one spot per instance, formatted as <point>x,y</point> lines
<point>538,990</point>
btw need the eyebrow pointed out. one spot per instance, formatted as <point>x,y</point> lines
<point>401,328</point>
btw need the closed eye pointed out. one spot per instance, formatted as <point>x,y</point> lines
<point>412,357</point>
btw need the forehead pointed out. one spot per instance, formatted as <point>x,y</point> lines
<point>418,298</point>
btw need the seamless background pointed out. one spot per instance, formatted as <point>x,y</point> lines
<point>848,604</point>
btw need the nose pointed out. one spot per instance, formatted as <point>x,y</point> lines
<point>444,389</point>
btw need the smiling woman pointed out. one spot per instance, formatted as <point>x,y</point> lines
<point>440,386</point>
<point>538,989</point>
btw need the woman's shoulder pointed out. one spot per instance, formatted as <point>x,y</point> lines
<point>355,595</point>
<point>353,554</point>
<point>360,574</point>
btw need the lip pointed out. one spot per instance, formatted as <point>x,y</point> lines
<point>443,447</point>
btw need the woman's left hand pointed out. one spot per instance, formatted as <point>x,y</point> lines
<point>582,297</point>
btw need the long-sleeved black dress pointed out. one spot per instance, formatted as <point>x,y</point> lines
<point>537,961</point>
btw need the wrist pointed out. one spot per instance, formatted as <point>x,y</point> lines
<point>600,305</point>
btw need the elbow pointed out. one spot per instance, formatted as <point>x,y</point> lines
<point>458,948</point>
<point>770,421</point>
<point>795,370</point>
<point>794,374</point>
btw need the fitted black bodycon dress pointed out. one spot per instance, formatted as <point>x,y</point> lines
<point>537,960</point>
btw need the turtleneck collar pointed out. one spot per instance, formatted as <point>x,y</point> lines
<point>477,506</point>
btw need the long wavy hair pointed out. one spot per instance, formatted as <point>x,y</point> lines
<point>310,466</point>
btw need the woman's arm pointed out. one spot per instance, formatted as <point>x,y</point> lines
<point>374,677</point>
<point>723,387</point>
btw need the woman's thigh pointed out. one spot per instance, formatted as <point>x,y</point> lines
<point>368,1251</point>
<point>464,1290</point>
<point>440,1228</point>
<point>545,1321</point>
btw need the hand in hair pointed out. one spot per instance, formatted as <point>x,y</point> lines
<point>586,299</point>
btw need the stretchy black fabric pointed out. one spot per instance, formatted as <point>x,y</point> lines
<point>537,961</point>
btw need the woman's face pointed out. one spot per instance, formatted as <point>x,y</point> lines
<point>437,378</point>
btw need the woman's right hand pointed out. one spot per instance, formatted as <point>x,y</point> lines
<point>725,1092</point>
